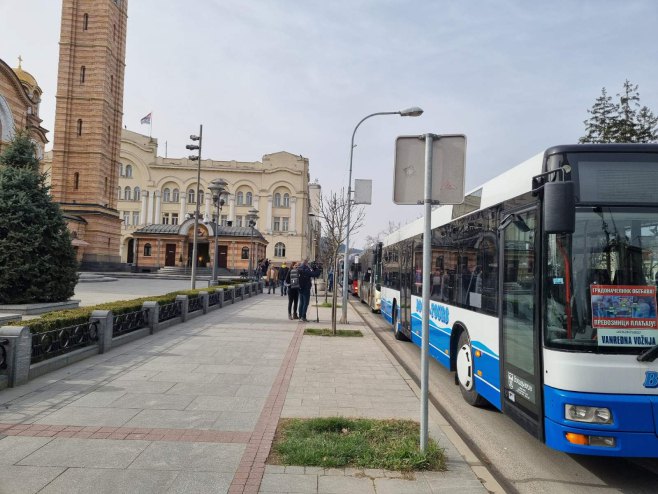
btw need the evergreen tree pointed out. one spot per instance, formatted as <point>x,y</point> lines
<point>624,121</point>
<point>37,260</point>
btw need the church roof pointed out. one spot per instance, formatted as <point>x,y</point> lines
<point>223,231</point>
<point>26,78</point>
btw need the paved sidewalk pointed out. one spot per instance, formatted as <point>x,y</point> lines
<point>194,409</point>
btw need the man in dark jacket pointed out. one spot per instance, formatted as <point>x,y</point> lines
<point>306,272</point>
<point>283,274</point>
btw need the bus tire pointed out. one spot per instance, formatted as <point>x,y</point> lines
<point>465,377</point>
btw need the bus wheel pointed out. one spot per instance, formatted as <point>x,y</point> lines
<point>465,372</point>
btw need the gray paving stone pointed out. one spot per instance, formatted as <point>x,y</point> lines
<point>215,457</point>
<point>98,398</point>
<point>14,448</point>
<point>280,483</point>
<point>110,481</point>
<point>153,401</point>
<point>23,415</point>
<point>253,390</point>
<point>24,479</point>
<point>227,403</point>
<point>150,387</point>
<point>178,377</point>
<point>72,415</point>
<point>174,419</point>
<point>95,453</point>
<point>201,483</point>
<point>401,486</point>
<point>213,389</point>
<point>236,421</point>
<point>331,484</point>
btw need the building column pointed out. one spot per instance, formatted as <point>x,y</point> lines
<point>268,224</point>
<point>231,209</point>
<point>158,207</point>
<point>293,215</point>
<point>142,213</point>
<point>183,209</point>
<point>206,215</point>
<point>149,213</point>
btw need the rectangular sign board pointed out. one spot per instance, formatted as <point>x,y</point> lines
<point>448,166</point>
<point>362,191</point>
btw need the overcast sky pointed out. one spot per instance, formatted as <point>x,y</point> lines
<point>268,75</point>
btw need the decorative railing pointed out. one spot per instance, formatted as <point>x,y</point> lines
<point>194,304</point>
<point>56,342</point>
<point>227,295</point>
<point>3,354</point>
<point>169,311</point>
<point>213,298</point>
<point>129,322</point>
<point>238,291</point>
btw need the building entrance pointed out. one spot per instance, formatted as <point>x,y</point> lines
<point>170,254</point>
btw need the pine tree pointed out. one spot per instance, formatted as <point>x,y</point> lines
<point>37,260</point>
<point>624,121</point>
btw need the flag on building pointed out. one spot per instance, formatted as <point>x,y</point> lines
<point>146,119</point>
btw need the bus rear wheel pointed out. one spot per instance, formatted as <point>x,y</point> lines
<point>465,376</point>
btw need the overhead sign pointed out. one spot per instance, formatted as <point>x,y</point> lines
<point>362,191</point>
<point>448,165</point>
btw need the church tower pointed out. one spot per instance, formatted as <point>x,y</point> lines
<point>88,121</point>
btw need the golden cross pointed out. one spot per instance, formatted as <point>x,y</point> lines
<point>20,60</point>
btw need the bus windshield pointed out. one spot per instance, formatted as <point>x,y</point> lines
<point>600,283</point>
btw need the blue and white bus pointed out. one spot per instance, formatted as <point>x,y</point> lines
<point>543,297</point>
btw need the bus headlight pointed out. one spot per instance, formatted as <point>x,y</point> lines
<point>592,415</point>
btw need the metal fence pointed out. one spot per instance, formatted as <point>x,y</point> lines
<point>194,304</point>
<point>227,295</point>
<point>169,311</point>
<point>129,322</point>
<point>49,344</point>
<point>3,354</point>
<point>238,291</point>
<point>213,298</point>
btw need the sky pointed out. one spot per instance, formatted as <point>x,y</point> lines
<point>263,76</point>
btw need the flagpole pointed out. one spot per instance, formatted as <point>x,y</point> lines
<point>151,125</point>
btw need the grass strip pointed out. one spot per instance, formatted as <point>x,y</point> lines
<point>338,442</point>
<point>329,332</point>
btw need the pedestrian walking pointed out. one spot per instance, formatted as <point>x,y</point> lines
<point>283,274</point>
<point>330,280</point>
<point>306,272</point>
<point>272,280</point>
<point>292,279</point>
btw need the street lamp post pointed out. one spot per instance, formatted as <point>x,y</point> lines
<point>197,158</point>
<point>414,111</point>
<point>218,189</point>
<point>252,217</point>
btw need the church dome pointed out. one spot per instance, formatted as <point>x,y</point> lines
<point>27,79</point>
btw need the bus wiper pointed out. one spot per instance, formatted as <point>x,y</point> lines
<point>648,355</point>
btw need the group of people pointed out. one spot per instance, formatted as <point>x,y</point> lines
<point>294,282</point>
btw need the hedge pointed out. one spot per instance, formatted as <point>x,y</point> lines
<point>71,317</point>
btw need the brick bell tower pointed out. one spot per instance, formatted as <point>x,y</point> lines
<point>88,121</point>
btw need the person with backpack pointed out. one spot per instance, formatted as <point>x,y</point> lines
<point>283,274</point>
<point>306,272</point>
<point>292,280</point>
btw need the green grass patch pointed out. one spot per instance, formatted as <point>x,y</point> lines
<point>338,442</point>
<point>327,305</point>
<point>329,332</point>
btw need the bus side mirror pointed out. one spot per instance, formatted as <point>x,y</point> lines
<point>378,287</point>
<point>559,207</point>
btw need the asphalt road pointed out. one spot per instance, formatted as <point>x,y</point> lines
<point>520,463</point>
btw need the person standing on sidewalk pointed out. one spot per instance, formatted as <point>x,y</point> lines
<point>272,280</point>
<point>283,274</point>
<point>306,272</point>
<point>292,279</point>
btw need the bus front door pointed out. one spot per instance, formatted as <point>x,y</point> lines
<point>520,378</point>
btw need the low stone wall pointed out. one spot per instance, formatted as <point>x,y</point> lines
<point>16,341</point>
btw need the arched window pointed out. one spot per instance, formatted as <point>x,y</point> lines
<point>126,194</point>
<point>280,250</point>
<point>277,200</point>
<point>129,171</point>
<point>239,198</point>
<point>79,126</point>
<point>121,169</point>
<point>249,198</point>
<point>147,250</point>
<point>85,22</point>
<point>190,197</point>
<point>286,200</point>
<point>76,180</point>
<point>119,193</point>
<point>175,196</point>
<point>245,252</point>
<point>166,195</point>
<point>83,71</point>
<point>137,194</point>
<point>200,196</point>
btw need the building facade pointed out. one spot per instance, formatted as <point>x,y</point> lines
<point>153,190</point>
<point>20,96</point>
<point>85,161</point>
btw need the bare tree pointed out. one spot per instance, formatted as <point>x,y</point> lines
<point>374,239</point>
<point>333,213</point>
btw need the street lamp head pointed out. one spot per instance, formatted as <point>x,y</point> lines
<point>191,147</point>
<point>218,186</point>
<point>194,138</point>
<point>193,158</point>
<point>414,111</point>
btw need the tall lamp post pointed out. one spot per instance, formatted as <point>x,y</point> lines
<point>218,189</point>
<point>197,158</point>
<point>252,217</point>
<point>414,111</point>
